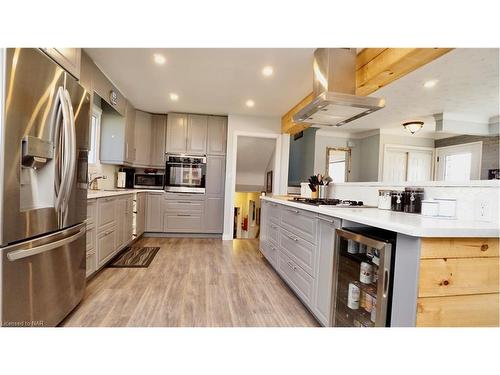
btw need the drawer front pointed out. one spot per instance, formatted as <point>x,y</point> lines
<point>106,246</point>
<point>184,197</point>
<point>273,232</point>
<point>270,251</point>
<point>91,236</point>
<point>299,222</point>
<point>91,211</point>
<point>184,206</point>
<point>91,263</point>
<point>182,223</point>
<point>302,252</point>
<point>274,211</point>
<point>296,277</point>
<point>105,212</point>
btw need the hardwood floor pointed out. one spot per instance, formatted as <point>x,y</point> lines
<point>192,283</point>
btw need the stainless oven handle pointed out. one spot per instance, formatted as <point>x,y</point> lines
<point>24,253</point>
<point>379,245</point>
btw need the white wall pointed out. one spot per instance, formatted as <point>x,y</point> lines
<point>251,126</point>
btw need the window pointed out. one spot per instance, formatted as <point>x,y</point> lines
<point>95,131</point>
<point>459,163</point>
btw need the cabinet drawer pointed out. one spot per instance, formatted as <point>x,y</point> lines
<point>185,223</point>
<point>184,197</point>
<point>106,245</point>
<point>296,277</point>
<point>91,235</point>
<point>91,211</point>
<point>301,251</point>
<point>91,263</point>
<point>299,222</point>
<point>270,251</point>
<point>105,212</point>
<point>184,207</point>
<point>273,232</point>
<point>274,210</point>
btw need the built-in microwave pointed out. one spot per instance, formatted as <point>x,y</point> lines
<point>148,181</point>
<point>185,173</point>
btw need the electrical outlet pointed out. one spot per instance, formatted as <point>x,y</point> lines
<point>483,211</point>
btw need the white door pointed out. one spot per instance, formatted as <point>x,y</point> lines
<point>419,166</point>
<point>395,163</point>
<point>459,163</point>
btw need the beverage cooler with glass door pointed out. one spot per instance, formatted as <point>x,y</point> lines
<point>364,277</point>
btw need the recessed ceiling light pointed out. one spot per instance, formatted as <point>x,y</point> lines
<point>250,103</point>
<point>431,83</point>
<point>174,97</point>
<point>267,71</point>
<point>159,59</point>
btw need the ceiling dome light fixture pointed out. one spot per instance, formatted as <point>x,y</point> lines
<point>413,126</point>
<point>250,103</point>
<point>174,97</point>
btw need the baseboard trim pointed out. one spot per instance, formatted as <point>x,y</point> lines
<point>181,235</point>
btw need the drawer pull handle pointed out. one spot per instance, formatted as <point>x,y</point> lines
<point>183,215</point>
<point>293,238</point>
<point>185,202</point>
<point>292,266</point>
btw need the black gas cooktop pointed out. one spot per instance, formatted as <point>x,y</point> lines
<point>328,202</point>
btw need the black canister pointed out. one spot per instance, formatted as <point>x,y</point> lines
<point>412,199</point>
<point>397,201</point>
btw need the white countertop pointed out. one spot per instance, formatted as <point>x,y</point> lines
<point>91,194</point>
<point>410,224</point>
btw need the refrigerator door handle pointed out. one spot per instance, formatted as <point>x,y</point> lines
<point>24,253</point>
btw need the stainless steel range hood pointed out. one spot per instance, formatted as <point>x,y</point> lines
<point>334,88</point>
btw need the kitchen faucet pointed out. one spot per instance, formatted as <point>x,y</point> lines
<point>93,182</point>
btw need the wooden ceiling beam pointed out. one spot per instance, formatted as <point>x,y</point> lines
<point>375,68</point>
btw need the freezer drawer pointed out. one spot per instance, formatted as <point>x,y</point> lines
<point>43,279</point>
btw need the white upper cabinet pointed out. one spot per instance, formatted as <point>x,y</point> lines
<point>68,58</point>
<point>197,134</point>
<point>217,134</point>
<point>176,141</point>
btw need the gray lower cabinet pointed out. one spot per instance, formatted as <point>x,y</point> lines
<point>216,175</point>
<point>183,213</point>
<point>154,212</point>
<point>324,268</point>
<point>300,245</point>
<point>214,215</point>
<point>140,214</point>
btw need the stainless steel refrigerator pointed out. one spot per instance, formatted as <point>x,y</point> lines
<point>43,188</point>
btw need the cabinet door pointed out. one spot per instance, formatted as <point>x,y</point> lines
<point>176,141</point>
<point>197,134</point>
<point>158,125</point>
<point>112,143</point>
<point>129,220</point>
<point>214,214</point>
<point>142,139</point>
<point>68,58</point>
<point>106,246</point>
<point>216,176</point>
<point>154,213</point>
<point>324,269</point>
<point>130,134</point>
<point>216,135</point>
<point>141,213</point>
<point>105,213</point>
<point>120,222</point>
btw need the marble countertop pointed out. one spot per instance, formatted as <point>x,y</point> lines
<point>409,224</point>
<point>91,194</point>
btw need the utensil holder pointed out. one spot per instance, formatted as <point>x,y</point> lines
<point>321,189</point>
<point>315,194</point>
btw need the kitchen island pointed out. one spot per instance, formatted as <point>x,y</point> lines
<point>446,272</point>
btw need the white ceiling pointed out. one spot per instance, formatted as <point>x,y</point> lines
<point>253,155</point>
<point>468,86</point>
<point>214,81</point>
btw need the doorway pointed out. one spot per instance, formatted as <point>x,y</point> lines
<point>459,163</point>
